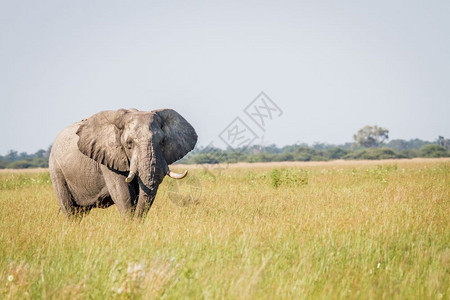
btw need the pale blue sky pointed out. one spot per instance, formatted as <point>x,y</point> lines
<point>331,66</point>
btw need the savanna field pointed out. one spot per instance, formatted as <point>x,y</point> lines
<point>353,229</point>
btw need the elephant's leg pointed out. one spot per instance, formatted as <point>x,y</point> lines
<point>122,193</point>
<point>63,194</point>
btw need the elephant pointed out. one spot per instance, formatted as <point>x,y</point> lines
<point>117,157</point>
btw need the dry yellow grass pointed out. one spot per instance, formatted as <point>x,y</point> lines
<point>345,229</point>
<point>303,164</point>
<point>23,171</point>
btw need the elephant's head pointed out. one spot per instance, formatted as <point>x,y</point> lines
<point>138,142</point>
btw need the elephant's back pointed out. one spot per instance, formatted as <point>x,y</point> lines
<point>65,149</point>
<point>66,140</point>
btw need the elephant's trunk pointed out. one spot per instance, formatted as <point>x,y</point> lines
<point>148,179</point>
<point>145,201</point>
<point>151,168</point>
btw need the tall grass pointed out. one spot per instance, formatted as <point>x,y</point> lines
<point>373,230</point>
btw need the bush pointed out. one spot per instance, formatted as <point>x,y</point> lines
<point>25,163</point>
<point>289,177</point>
<point>285,157</point>
<point>308,154</point>
<point>410,153</point>
<point>336,153</point>
<point>434,151</point>
<point>373,153</point>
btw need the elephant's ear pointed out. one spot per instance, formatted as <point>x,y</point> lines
<point>100,139</point>
<point>179,136</point>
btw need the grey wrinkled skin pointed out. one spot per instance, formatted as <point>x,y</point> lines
<point>91,159</point>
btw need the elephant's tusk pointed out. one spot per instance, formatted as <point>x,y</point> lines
<point>130,177</point>
<point>177,175</point>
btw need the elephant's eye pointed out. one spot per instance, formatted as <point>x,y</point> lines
<point>129,144</point>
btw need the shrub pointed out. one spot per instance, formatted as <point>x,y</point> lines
<point>289,177</point>
<point>373,153</point>
<point>336,153</point>
<point>434,151</point>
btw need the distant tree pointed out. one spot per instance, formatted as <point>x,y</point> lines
<point>308,154</point>
<point>434,151</point>
<point>288,149</point>
<point>47,153</point>
<point>12,156</point>
<point>272,149</point>
<point>322,146</point>
<point>373,153</point>
<point>347,146</point>
<point>286,157</point>
<point>336,153</point>
<point>20,164</point>
<point>441,141</point>
<point>40,153</point>
<point>371,136</point>
<point>23,155</point>
<point>398,145</point>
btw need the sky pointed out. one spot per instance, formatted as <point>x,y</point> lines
<point>329,67</point>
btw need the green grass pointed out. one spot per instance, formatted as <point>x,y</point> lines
<point>337,230</point>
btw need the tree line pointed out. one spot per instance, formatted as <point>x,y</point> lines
<point>369,142</point>
<point>316,152</point>
<point>23,160</point>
